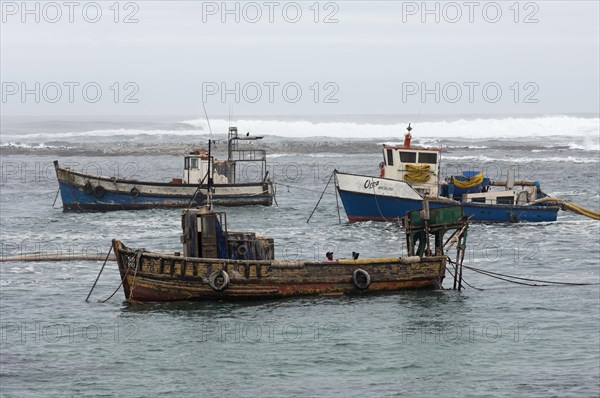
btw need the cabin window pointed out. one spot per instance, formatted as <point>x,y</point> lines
<point>478,200</point>
<point>427,157</point>
<point>505,200</point>
<point>193,163</point>
<point>390,157</point>
<point>186,164</point>
<point>408,157</point>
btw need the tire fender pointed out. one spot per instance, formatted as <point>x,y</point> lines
<point>88,189</point>
<point>361,279</point>
<point>219,280</point>
<point>99,191</point>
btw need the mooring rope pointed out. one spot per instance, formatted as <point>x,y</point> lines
<point>302,188</point>
<point>99,273</point>
<point>320,197</point>
<point>509,278</point>
<point>56,197</point>
<point>118,287</point>
<point>377,202</point>
<point>566,205</point>
<point>463,279</point>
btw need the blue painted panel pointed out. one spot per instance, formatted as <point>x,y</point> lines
<point>362,207</point>
<point>75,199</point>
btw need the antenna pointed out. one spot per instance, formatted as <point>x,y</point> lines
<point>210,177</point>
<point>419,115</point>
<point>207,120</point>
<point>230,109</point>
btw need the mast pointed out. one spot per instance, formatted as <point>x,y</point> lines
<point>233,135</point>
<point>209,185</point>
<point>407,137</point>
<point>235,154</point>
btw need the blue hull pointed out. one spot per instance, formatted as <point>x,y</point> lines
<point>75,198</point>
<point>365,207</point>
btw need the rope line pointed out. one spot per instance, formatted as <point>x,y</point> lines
<point>99,273</point>
<point>510,278</point>
<point>566,205</point>
<point>463,279</point>
<point>118,287</point>
<point>302,188</point>
<point>490,273</point>
<point>377,204</point>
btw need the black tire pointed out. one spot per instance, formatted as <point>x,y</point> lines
<point>134,192</point>
<point>99,191</point>
<point>361,279</point>
<point>88,189</point>
<point>219,280</point>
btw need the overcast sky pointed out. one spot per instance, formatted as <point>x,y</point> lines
<point>300,58</point>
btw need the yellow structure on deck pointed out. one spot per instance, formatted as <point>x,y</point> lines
<point>471,182</point>
<point>417,173</point>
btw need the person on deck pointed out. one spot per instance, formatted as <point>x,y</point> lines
<point>329,256</point>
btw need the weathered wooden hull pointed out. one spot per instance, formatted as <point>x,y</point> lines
<point>157,277</point>
<point>80,191</point>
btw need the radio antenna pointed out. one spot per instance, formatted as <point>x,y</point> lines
<point>419,115</point>
<point>207,120</point>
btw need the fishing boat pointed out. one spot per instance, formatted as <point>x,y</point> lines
<point>409,174</point>
<point>81,191</point>
<point>217,264</point>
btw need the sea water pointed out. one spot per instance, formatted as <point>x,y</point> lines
<point>499,340</point>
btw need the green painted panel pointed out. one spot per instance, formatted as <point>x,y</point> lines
<point>437,216</point>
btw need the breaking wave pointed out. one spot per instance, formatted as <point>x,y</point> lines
<point>313,136</point>
<point>492,128</point>
<point>483,158</point>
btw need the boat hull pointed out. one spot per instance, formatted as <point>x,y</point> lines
<point>80,191</point>
<point>158,277</point>
<point>362,202</point>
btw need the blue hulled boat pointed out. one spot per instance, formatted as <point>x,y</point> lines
<point>409,174</point>
<point>82,191</point>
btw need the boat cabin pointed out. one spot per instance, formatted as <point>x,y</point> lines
<point>505,197</point>
<point>195,168</point>
<point>420,167</point>
<point>243,164</point>
<point>248,164</point>
<point>205,235</point>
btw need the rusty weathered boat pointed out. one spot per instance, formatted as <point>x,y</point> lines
<point>220,265</point>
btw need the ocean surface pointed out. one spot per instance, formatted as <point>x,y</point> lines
<point>506,340</point>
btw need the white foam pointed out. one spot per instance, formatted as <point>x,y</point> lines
<point>41,145</point>
<point>100,133</point>
<point>494,128</point>
<point>583,132</point>
<point>483,158</point>
<point>586,146</point>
